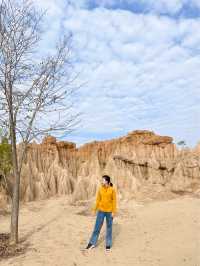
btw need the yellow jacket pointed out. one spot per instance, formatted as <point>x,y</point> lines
<point>105,199</point>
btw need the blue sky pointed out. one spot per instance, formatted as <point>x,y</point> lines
<point>140,61</point>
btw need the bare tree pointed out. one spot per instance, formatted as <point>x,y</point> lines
<point>35,92</point>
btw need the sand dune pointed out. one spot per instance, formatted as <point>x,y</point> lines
<point>162,233</point>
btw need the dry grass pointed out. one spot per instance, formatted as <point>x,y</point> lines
<point>7,250</point>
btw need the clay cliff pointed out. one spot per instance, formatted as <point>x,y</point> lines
<point>141,164</point>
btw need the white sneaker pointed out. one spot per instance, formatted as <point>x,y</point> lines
<point>90,246</point>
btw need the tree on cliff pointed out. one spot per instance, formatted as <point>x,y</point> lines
<point>181,143</point>
<point>35,90</point>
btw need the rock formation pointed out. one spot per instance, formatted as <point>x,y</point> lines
<point>141,164</point>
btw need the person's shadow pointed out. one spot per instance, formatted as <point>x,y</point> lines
<point>116,229</point>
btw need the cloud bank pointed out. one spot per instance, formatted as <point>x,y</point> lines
<point>140,64</point>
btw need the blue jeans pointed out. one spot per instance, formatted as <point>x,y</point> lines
<point>98,225</point>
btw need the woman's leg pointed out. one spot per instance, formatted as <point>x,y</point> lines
<point>97,228</point>
<point>109,222</point>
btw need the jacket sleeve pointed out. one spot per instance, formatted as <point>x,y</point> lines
<point>114,201</point>
<point>98,198</point>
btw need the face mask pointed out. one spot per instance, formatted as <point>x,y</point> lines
<point>104,182</point>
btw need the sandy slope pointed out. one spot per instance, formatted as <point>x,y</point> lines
<point>155,234</point>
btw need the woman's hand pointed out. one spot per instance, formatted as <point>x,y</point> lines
<point>113,214</point>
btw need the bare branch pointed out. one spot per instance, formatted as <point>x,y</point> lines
<point>35,93</point>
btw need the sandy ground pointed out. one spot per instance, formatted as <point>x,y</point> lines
<point>164,233</point>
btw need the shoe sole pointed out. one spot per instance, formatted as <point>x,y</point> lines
<point>90,248</point>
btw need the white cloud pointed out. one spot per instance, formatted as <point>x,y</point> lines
<point>195,3</point>
<point>165,6</point>
<point>142,70</point>
<point>53,7</point>
<point>144,73</point>
<point>171,7</point>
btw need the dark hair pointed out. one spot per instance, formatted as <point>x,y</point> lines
<point>107,178</point>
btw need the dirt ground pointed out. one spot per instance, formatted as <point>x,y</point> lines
<point>159,233</point>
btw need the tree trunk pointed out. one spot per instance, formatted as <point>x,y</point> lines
<point>16,189</point>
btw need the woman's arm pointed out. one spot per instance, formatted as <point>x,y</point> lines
<point>98,198</point>
<point>114,201</point>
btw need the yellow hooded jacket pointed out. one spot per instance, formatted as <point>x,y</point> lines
<point>105,199</point>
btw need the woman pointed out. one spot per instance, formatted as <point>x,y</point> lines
<point>105,207</point>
